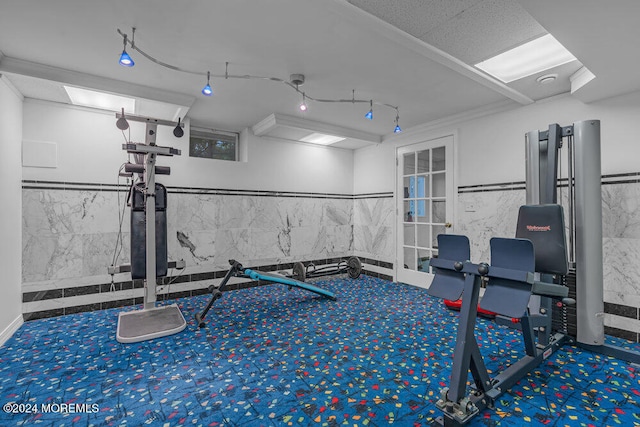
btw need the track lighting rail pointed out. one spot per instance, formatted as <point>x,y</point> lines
<point>294,83</point>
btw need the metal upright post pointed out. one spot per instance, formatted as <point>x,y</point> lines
<point>532,147</point>
<point>588,206</point>
<point>150,216</point>
<point>550,186</point>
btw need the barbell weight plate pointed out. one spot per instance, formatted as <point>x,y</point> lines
<point>354,267</point>
<point>299,271</point>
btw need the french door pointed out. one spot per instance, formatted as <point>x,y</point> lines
<point>425,198</point>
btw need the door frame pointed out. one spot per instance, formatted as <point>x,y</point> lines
<point>398,197</point>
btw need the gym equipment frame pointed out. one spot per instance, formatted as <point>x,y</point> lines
<point>148,230</point>
<point>237,270</point>
<point>584,219</point>
<point>511,283</point>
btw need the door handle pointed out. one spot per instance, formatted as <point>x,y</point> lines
<point>448,225</point>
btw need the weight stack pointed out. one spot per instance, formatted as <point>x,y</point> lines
<point>139,232</point>
<point>568,321</point>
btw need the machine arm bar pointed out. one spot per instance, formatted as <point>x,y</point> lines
<point>566,131</point>
<point>125,268</point>
<point>135,168</point>
<point>216,292</point>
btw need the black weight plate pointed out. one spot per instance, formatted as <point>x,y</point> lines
<point>299,271</point>
<point>354,267</point>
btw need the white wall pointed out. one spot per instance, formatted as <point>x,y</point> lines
<point>89,150</point>
<point>11,213</point>
<point>491,148</point>
<point>374,169</point>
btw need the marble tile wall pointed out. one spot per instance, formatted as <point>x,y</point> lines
<point>373,234</point>
<point>209,229</point>
<point>70,233</point>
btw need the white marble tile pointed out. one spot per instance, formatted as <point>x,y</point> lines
<point>195,247</point>
<point>623,323</point>
<point>377,242</point>
<point>620,270</point>
<point>52,257</point>
<point>231,244</point>
<point>60,212</point>
<point>621,210</point>
<point>98,252</point>
<point>339,240</point>
<point>267,243</point>
<point>307,243</point>
<point>37,252</point>
<point>338,212</point>
<point>374,222</point>
<point>374,211</point>
<point>192,211</point>
<point>484,215</point>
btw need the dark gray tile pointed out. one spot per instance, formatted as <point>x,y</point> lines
<point>82,308</point>
<point>43,314</point>
<point>202,276</point>
<point>81,290</point>
<point>384,264</point>
<point>621,310</point>
<point>117,303</point>
<point>176,295</point>
<point>202,291</point>
<point>41,295</point>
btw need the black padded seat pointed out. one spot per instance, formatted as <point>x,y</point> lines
<point>505,296</point>
<point>544,226</point>
<point>449,284</point>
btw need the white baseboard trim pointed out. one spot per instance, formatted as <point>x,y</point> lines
<point>11,329</point>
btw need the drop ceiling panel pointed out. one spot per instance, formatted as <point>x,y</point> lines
<point>470,30</point>
<point>31,87</point>
<point>416,17</point>
<point>485,30</point>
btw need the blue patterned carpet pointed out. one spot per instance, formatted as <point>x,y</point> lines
<point>270,356</point>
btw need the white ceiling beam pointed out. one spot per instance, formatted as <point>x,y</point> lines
<point>366,20</point>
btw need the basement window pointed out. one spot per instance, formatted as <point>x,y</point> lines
<point>213,144</point>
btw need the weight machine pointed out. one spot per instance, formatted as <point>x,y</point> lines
<point>584,214</point>
<point>148,201</point>
<point>522,282</point>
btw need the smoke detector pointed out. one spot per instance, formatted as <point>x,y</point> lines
<point>547,78</point>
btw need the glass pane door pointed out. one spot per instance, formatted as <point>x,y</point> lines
<point>424,174</point>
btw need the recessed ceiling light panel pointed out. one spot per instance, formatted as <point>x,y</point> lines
<point>322,139</point>
<point>100,100</point>
<point>530,58</point>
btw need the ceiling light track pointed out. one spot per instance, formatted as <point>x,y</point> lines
<point>294,82</point>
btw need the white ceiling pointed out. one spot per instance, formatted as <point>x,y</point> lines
<point>414,54</point>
